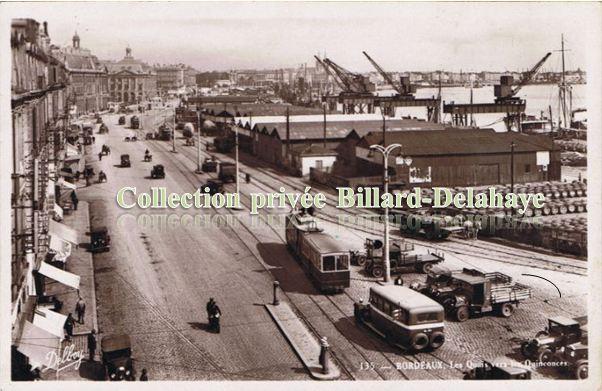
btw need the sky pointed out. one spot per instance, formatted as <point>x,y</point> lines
<point>399,36</point>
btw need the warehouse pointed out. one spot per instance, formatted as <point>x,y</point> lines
<point>459,157</point>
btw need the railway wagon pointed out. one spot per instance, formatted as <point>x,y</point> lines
<point>323,258</point>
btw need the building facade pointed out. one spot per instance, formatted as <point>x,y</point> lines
<point>88,78</point>
<point>39,121</point>
<point>130,80</point>
<point>170,77</point>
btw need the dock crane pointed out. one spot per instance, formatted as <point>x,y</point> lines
<point>353,82</point>
<point>504,91</point>
<point>327,69</point>
<point>401,88</point>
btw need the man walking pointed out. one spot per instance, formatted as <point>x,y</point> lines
<point>92,344</point>
<point>80,310</point>
<point>99,156</point>
<point>74,200</point>
<point>69,326</point>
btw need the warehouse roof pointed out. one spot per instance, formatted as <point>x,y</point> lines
<point>340,129</point>
<point>258,109</point>
<point>460,141</point>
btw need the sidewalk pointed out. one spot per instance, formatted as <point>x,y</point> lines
<point>81,263</point>
<point>303,342</point>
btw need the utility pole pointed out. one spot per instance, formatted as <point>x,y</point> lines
<point>173,133</point>
<point>198,139</point>
<point>324,107</point>
<point>512,145</point>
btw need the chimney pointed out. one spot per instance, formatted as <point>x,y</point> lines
<point>45,28</point>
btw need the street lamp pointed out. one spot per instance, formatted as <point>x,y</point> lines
<point>386,151</point>
<point>198,146</point>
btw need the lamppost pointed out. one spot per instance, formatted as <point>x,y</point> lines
<point>386,151</point>
<point>512,145</point>
<point>198,145</point>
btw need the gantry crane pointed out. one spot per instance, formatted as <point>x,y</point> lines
<point>327,69</point>
<point>402,89</point>
<point>353,82</point>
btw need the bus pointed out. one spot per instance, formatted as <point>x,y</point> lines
<point>403,317</point>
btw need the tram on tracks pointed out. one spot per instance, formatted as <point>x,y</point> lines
<point>323,258</point>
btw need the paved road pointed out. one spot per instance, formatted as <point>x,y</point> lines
<point>163,262</point>
<point>155,281</point>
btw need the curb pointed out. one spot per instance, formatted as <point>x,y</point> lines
<point>314,372</point>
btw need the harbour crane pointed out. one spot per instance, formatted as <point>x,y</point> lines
<point>327,69</point>
<point>400,88</point>
<point>352,82</point>
<point>506,93</point>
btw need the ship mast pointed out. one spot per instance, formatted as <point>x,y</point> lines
<point>562,92</point>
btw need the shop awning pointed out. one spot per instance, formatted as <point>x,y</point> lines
<point>58,211</point>
<point>37,344</point>
<point>50,321</point>
<point>59,275</point>
<point>60,247</point>
<point>66,174</point>
<point>73,159</point>
<point>63,231</point>
<point>66,184</point>
<point>72,150</point>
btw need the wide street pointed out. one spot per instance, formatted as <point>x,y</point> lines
<point>165,264</point>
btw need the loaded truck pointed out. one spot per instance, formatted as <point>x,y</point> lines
<point>469,292</point>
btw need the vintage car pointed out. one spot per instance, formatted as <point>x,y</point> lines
<point>121,120</point>
<point>560,332</point>
<point>149,136</point>
<point>227,172</point>
<point>158,172</point>
<point>100,240</point>
<point>116,351</point>
<point>576,357</point>
<point>214,186</point>
<point>134,122</point>
<point>125,161</point>
<point>403,317</point>
<point>501,368</point>
<point>209,165</point>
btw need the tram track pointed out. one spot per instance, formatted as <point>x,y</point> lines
<point>413,358</point>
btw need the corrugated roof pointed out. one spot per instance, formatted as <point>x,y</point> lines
<point>260,109</point>
<point>340,129</point>
<point>460,141</point>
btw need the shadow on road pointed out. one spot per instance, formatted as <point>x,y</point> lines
<point>363,336</point>
<point>285,269</point>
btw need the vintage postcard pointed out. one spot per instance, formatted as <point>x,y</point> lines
<point>305,193</point>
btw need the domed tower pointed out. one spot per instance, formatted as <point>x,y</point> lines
<point>76,41</point>
<point>128,52</point>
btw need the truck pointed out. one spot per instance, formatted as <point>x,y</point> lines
<point>227,172</point>
<point>164,133</point>
<point>116,353</point>
<point>468,292</point>
<point>401,257</point>
<point>422,222</point>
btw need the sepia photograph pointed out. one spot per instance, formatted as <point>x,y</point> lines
<point>306,193</point>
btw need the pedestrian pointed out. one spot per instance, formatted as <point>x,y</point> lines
<point>93,139</point>
<point>99,156</point>
<point>74,200</point>
<point>80,310</point>
<point>36,374</point>
<point>209,307</point>
<point>144,375</point>
<point>69,326</point>
<point>92,344</point>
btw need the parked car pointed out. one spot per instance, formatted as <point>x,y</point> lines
<point>560,332</point>
<point>209,165</point>
<point>116,351</point>
<point>134,122</point>
<point>227,172</point>
<point>158,172</point>
<point>121,120</point>
<point>100,240</point>
<point>215,186</point>
<point>501,368</point>
<point>125,161</point>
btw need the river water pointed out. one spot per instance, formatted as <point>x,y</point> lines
<point>539,98</point>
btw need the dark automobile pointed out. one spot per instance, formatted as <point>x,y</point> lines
<point>227,172</point>
<point>100,240</point>
<point>561,331</point>
<point>122,120</point>
<point>499,369</point>
<point>158,171</point>
<point>209,165</point>
<point>134,122</point>
<point>213,186</point>
<point>125,161</point>
<point>116,350</point>
<point>576,357</point>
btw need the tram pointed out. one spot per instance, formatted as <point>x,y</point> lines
<point>324,259</point>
